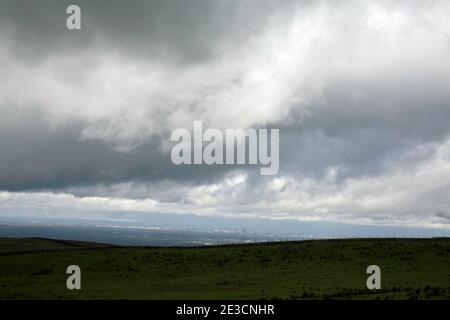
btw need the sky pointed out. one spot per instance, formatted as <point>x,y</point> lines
<point>360,91</point>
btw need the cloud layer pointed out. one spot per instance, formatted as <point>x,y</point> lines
<point>360,92</point>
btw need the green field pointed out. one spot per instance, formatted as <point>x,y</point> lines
<point>318,269</point>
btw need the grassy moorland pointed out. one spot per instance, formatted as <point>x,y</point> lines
<point>319,269</point>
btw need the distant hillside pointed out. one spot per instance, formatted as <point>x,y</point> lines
<point>318,269</point>
<point>15,245</point>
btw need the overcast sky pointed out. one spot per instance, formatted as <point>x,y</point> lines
<point>360,91</point>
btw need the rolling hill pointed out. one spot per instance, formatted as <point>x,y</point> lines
<point>317,269</point>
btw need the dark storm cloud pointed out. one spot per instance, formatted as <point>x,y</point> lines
<point>361,133</point>
<point>366,135</point>
<point>173,31</point>
<point>34,157</point>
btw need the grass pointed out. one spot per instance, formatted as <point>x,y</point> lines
<point>318,269</point>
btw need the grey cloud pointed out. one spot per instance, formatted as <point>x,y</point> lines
<point>443,215</point>
<point>369,101</point>
<point>360,126</point>
<point>36,157</point>
<point>173,31</point>
<point>388,125</point>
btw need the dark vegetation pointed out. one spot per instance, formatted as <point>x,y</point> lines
<point>318,269</point>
